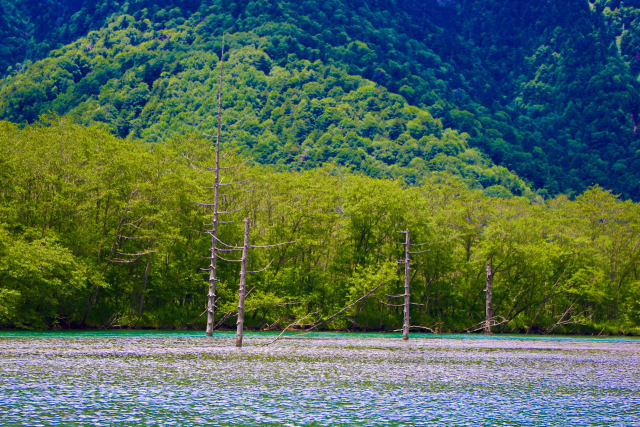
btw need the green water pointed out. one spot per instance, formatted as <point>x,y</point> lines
<point>183,378</point>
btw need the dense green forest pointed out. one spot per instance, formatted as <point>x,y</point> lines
<point>100,231</point>
<point>496,131</point>
<point>547,90</point>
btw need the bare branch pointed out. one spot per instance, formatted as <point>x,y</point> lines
<point>272,246</point>
<point>134,223</point>
<point>122,236</point>
<point>224,185</point>
<point>224,244</point>
<point>247,294</point>
<point>224,318</point>
<point>390,305</point>
<point>282,304</point>
<point>137,255</point>
<point>494,321</point>
<point>261,270</point>
<point>420,252</point>
<point>236,165</point>
<point>568,321</point>
<point>205,170</point>
<point>328,318</point>
<point>397,305</point>
<point>228,260</point>
<point>346,308</point>
<point>213,205</point>
<point>297,322</point>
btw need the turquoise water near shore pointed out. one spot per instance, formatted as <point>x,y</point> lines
<point>152,333</point>
<point>182,378</point>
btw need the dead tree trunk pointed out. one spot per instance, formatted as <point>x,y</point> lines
<point>406,318</point>
<point>407,295</point>
<point>488,315</point>
<point>211,296</point>
<point>243,284</point>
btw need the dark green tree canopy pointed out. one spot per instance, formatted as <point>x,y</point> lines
<point>547,90</point>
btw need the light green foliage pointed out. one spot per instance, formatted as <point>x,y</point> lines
<point>39,279</point>
<point>349,105</point>
<point>81,220</point>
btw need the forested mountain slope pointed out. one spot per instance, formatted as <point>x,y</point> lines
<point>547,89</point>
<point>29,29</point>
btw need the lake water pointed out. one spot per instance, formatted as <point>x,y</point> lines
<point>183,378</point>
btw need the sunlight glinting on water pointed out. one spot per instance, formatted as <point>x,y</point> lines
<point>177,379</point>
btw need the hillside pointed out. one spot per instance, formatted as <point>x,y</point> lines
<point>546,90</point>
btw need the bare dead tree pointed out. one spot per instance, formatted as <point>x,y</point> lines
<point>243,278</point>
<point>407,294</point>
<point>243,284</point>
<point>406,326</point>
<point>217,245</point>
<point>488,301</point>
<point>213,232</point>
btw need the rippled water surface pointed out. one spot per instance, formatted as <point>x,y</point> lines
<point>184,378</point>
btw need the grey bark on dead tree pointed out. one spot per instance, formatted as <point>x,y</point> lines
<point>243,284</point>
<point>407,294</point>
<point>406,317</point>
<point>211,295</point>
<point>488,318</point>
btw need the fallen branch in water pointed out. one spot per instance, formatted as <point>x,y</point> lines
<point>572,320</point>
<point>315,325</point>
<point>296,323</point>
<point>494,321</point>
